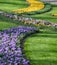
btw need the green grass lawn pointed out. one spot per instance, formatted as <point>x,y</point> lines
<point>41,49</point>
<point>9,5</point>
<point>6,25</point>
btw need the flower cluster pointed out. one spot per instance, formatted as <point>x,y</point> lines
<point>54,15</point>
<point>10,53</point>
<point>34,6</point>
<point>36,22</point>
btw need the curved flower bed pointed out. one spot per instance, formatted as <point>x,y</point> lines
<point>34,6</point>
<point>10,49</point>
<point>36,22</point>
<point>47,8</point>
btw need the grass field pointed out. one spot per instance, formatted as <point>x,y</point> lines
<point>6,25</point>
<point>9,5</point>
<point>41,48</point>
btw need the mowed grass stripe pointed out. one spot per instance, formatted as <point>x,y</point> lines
<point>42,48</point>
<point>6,25</point>
<point>12,4</point>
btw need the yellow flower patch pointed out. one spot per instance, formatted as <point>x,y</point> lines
<point>54,14</point>
<point>34,6</point>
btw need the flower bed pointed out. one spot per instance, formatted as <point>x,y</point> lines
<point>10,49</point>
<point>47,8</point>
<point>34,6</point>
<point>54,15</point>
<point>29,21</point>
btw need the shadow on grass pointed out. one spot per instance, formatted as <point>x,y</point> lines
<point>47,17</point>
<point>13,3</point>
<point>43,62</point>
<point>43,51</point>
<point>45,34</point>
